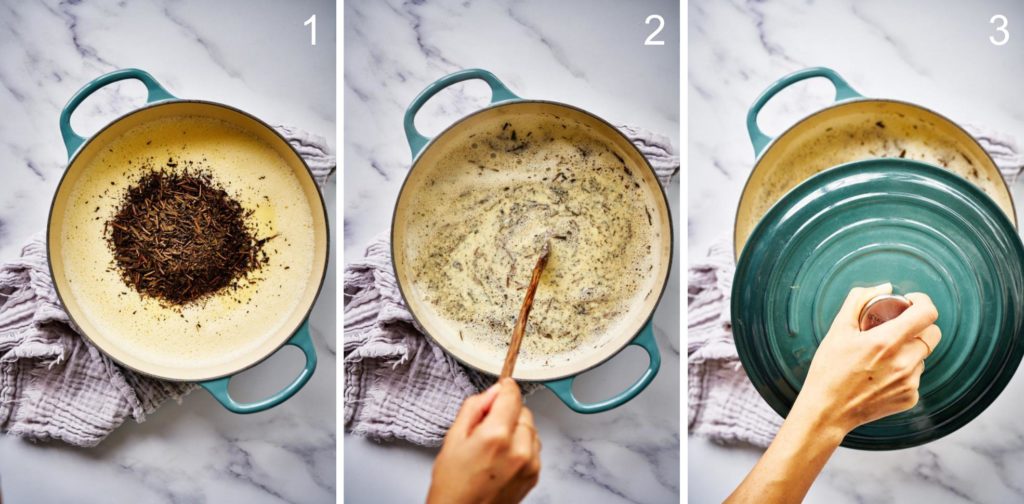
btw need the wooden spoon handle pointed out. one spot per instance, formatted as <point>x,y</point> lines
<point>524,313</point>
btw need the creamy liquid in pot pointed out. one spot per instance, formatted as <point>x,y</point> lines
<point>212,330</point>
<point>480,222</point>
<point>864,136</point>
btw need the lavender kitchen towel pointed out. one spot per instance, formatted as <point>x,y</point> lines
<point>724,406</point>
<point>398,384</point>
<point>723,403</point>
<point>56,385</point>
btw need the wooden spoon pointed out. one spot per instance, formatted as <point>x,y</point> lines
<point>524,312</point>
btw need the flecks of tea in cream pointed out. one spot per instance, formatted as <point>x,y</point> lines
<point>224,326</point>
<point>885,134</point>
<point>481,221</point>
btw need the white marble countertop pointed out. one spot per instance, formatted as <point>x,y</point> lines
<point>592,58</point>
<point>252,55</point>
<point>939,57</point>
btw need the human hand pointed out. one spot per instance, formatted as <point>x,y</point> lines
<point>857,377</point>
<point>854,378</point>
<point>491,452</point>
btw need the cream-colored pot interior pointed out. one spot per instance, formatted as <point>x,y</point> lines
<point>231,330</point>
<point>863,129</point>
<point>426,170</point>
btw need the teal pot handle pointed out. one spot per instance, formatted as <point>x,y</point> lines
<point>757,137</point>
<point>73,140</point>
<point>219,388</point>
<point>563,388</point>
<point>499,93</point>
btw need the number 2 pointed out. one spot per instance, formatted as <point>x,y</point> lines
<point>661,25</point>
<point>311,23</point>
<point>1001,29</point>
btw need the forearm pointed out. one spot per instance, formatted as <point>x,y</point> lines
<point>792,462</point>
<point>855,377</point>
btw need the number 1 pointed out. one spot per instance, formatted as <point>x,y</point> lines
<point>311,23</point>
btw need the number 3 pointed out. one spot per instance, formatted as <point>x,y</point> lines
<point>661,25</point>
<point>1001,29</point>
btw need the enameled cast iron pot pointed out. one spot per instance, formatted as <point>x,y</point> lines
<point>771,178</point>
<point>161,104</point>
<point>426,154</point>
<point>919,226</point>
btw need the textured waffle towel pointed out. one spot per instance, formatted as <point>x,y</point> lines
<point>723,403</point>
<point>56,385</point>
<point>398,384</point>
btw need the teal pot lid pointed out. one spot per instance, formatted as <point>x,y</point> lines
<point>870,222</point>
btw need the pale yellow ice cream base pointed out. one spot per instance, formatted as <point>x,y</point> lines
<point>218,329</point>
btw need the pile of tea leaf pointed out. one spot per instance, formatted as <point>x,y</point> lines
<point>178,237</point>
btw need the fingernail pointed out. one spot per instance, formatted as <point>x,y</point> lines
<point>887,286</point>
<point>493,388</point>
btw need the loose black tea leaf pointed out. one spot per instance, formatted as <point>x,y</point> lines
<point>178,236</point>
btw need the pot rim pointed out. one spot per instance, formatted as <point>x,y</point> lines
<point>320,198</point>
<point>646,164</point>
<point>851,101</point>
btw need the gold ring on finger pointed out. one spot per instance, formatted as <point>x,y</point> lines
<point>528,426</point>
<point>929,347</point>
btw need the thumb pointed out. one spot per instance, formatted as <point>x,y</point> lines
<point>473,410</point>
<point>506,408</point>
<point>850,312</point>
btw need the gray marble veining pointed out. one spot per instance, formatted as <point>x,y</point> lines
<point>252,55</point>
<point>936,54</point>
<point>589,54</point>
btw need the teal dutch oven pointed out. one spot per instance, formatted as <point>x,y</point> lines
<point>293,327</point>
<point>852,128</point>
<point>919,227</point>
<point>427,154</point>
<point>923,227</point>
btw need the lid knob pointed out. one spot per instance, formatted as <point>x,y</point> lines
<point>882,309</point>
